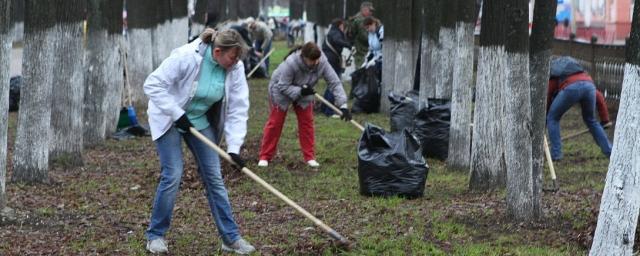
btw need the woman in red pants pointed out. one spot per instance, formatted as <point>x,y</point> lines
<point>292,83</point>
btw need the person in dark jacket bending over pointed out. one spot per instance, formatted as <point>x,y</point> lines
<point>332,49</point>
<point>570,84</point>
<point>292,83</point>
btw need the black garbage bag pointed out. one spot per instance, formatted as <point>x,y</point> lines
<point>431,127</point>
<point>14,92</point>
<point>390,164</point>
<point>365,90</point>
<point>402,110</point>
<point>131,132</point>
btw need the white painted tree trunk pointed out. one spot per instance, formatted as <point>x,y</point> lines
<point>461,99</point>
<point>428,76</point>
<point>539,73</point>
<point>618,217</point>
<point>6,30</point>
<point>389,51</point>
<point>488,170</point>
<point>31,154</point>
<point>444,78</point>
<point>140,63</point>
<point>160,41</point>
<point>517,131</point>
<point>67,94</point>
<point>18,31</point>
<point>404,64</point>
<point>104,85</point>
<point>309,34</point>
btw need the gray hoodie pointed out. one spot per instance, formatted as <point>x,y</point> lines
<point>287,81</point>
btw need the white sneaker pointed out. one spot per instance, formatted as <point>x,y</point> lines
<point>313,163</point>
<point>336,116</point>
<point>263,163</point>
<point>240,247</point>
<point>158,245</point>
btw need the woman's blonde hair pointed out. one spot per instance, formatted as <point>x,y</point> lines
<point>225,40</point>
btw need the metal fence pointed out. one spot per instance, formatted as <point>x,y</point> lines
<point>605,63</point>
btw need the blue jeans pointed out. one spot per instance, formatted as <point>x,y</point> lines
<point>582,92</point>
<point>169,149</point>
<point>258,46</point>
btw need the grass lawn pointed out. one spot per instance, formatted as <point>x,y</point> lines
<point>104,206</point>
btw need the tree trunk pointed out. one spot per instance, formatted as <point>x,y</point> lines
<point>389,52</point>
<point>429,56</point>
<point>103,79</point>
<point>31,155</point>
<point>161,33</point>
<point>447,39</point>
<point>248,8</point>
<point>296,8</point>
<point>139,49</point>
<point>5,59</point>
<point>461,98</point>
<point>17,18</point>
<point>404,61</point>
<point>517,125</point>
<point>618,217</point>
<point>488,169</point>
<point>539,58</point>
<point>68,83</point>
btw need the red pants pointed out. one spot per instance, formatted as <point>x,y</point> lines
<point>273,129</point>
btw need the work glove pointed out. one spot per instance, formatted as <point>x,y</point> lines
<point>307,90</point>
<point>183,123</point>
<point>346,114</point>
<point>238,160</point>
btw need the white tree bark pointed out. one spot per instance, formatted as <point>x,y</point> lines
<point>517,127</point>
<point>31,154</point>
<point>488,170</point>
<point>444,78</point>
<point>68,94</point>
<point>389,49</point>
<point>404,64</point>
<point>6,30</point>
<point>427,66</point>
<point>18,31</point>
<point>618,217</point>
<point>104,85</point>
<point>461,99</point>
<point>140,62</point>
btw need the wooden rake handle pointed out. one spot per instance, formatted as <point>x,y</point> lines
<point>337,110</point>
<point>335,235</point>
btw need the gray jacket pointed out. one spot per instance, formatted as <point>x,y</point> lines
<point>287,81</point>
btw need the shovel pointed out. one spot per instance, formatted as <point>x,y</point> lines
<point>337,110</point>
<point>339,239</point>
<point>552,170</point>
<point>576,134</point>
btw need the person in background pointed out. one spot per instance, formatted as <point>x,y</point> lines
<point>569,84</point>
<point>262,37</point>
<point>200,85</point>
<point>293,83</point>
<point>357,34</point>
<point>332,49</point>
<point>375,36</point>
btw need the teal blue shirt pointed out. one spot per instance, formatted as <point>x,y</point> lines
<point>210,89</point>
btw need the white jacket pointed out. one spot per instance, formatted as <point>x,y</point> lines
<point>172,85</point>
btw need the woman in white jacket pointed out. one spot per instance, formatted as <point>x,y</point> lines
<point>200,85</point>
